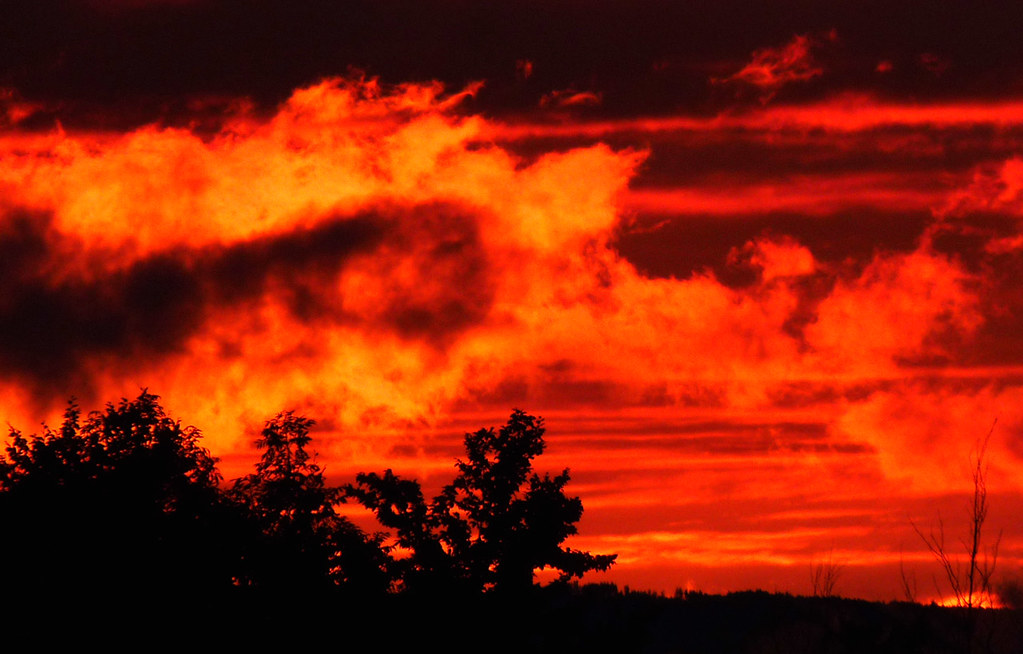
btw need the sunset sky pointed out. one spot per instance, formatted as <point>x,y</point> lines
<point>758,265</point>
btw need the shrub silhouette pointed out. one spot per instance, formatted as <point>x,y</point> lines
<point>493,525</point>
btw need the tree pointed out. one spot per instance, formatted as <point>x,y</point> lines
<point>495,523</point>
<point>824,575</point>
<point>127,500</point>
<point>399,505</point>
<point>303,541</point>
<point>970,581</point>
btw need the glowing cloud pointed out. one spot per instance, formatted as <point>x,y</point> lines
<point>993,188</point>
<point>778,258</point>
<point>772,68</point>
<point>898,309</point>
<point>293,239</point>
<point>392,258</point>
<point>388,263</point>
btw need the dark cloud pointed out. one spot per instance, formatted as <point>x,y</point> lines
<point>683,158</point>
<point>298,264</point>
<point>50,323</point>
<point>999,340</point>
<point>450,286</point>
<point>63,314</point>
<point>655,56</point>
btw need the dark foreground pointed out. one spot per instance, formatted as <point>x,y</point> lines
<point>565,619</point>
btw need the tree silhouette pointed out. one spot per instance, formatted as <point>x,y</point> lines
<point>126,500</point>
<point>398,504</point>
<point>970,582</point>
<point>494,524</point>
<point>303,542</point>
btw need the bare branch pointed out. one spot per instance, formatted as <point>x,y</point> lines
<point>970,583</point>
<point>908,581</point>
<point>824,575</point>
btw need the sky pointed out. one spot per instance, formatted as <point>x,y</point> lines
<point>756,264</point>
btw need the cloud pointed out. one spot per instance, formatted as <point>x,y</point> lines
<point>523,69</point>
<point>846,113</point>
<point>997,188</point>
<point>362,228</point>
<point>776,258</point>
<point>821,194</point>
<point>372,255</point>
<point>925,434</point>
<point>772,68</point>
<point>61,314</point>
<point>15,109</point>
<point>570,98</point>
<point>900,308</point>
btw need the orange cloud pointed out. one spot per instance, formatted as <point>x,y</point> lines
<point>374,257</point>
<point>334,154</point>
<point>778,258</point>
<point>925,435</point>
<point>897,309</point>
<point>477,266</point>
<point>993,189</point>
<point>14,109</point>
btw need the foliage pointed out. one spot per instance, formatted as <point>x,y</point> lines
<point>399,505</point>
<point>128,500</point>
<point>133,431</point>
<point>494,524</point>
<point>125,498</point>
<point>302,540</point>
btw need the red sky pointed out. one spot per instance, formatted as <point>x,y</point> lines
<point>758,271</point>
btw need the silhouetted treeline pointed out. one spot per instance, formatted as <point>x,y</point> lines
<point>127,501</point>
<point>118,527</point>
